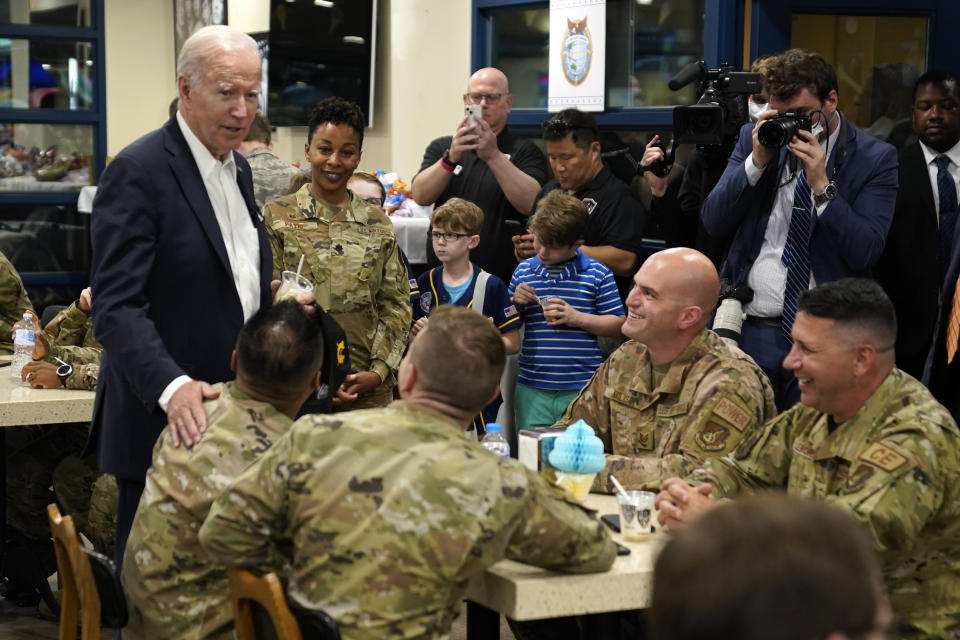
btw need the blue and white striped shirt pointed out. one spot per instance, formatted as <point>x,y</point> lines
<point>562,357</point>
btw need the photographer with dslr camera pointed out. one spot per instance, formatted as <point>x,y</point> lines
<point>807,198</point>
<point>676,201</point>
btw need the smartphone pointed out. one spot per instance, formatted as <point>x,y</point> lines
<point>515,227</point>
<point>473,112</point>
<point>612,520</point>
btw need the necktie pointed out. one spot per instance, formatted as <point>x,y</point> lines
<point>948,210</point>
<point>796,252</point>
<point>953,324</point>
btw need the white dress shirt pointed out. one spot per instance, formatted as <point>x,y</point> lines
<point>929,155</point>
<point>239,233</point>
<point>768,275</point>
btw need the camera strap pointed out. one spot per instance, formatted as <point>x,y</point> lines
<point>792,163</point>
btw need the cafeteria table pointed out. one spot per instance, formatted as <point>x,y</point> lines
<point>22,405</point>
<point>523,592</point>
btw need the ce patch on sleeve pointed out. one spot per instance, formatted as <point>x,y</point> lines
<point>884,456</point>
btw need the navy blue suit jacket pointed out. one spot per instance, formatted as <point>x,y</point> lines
<point>846,239</point>
<point>164,298</point>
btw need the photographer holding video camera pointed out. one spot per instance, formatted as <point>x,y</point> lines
<point>733,98</point>
<point>806,198</point>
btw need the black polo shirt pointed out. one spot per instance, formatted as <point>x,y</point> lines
<point>477,184</point>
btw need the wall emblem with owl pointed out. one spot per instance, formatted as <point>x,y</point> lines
<point>576,51</point>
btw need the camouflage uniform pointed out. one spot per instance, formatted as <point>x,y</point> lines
<point>35,452</point>
<point>352,259</point>
<point>895,466</point>
<point>13,302</point>
<point>71,339</point>
<point>712,396</point>
<point>173,587</point>
<point>271,175</point>
<point>388,513</point>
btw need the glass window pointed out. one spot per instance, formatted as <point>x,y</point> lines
<point>877,59</point>
<point>647,43</point>
<point>46,74</point>
<point>44,239</point>
<point>48,13</point>
<point>45,157</point>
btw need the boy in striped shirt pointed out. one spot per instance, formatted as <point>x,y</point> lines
<point>566,299</point>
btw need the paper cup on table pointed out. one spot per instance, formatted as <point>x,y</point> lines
<point>636,514</point>
<point>292,286</point>
<point>576,483</point>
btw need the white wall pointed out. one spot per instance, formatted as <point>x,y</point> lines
<point>423,55</point>
<point>140,68</point>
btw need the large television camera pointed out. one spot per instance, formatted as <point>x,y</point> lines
<point>720,111</point>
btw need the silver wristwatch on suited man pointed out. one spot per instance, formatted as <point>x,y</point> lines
<point>829,193</point>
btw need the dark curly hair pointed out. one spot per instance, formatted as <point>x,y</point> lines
<point>336,111</point>
<point>794,70</point>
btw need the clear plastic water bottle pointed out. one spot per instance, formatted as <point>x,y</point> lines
<point>24,338</point>
<point>494,441</point>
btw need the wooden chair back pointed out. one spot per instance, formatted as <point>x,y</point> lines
<point>268,593</point>
<point>78,588</point>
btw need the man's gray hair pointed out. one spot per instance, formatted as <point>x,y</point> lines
<point>204,42</point>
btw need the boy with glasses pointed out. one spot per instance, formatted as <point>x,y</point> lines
<point>566,299</point>
<point>457,281</point>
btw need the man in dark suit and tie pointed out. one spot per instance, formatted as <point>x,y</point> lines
<point>936,118</point>
<point>180,260</point>
<point>920,241</point>
<point>813,210</point>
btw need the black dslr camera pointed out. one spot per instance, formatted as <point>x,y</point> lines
<point>778,130</point>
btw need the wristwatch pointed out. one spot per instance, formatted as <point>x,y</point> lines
<point>449,165</point>
<point>829,193</point>
<point>64,371</point>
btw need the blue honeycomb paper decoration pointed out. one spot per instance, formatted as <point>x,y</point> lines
<point>578,450</point>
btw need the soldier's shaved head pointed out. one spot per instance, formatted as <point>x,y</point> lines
<point>690,278</point>
<point>673,295</point>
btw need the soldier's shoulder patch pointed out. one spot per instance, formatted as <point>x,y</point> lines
<point>857,479</point>
<point>803,449</point>
<point>884,456</point>
<point>713,437</point>
<point>510,311</point>
<point>737,416</point>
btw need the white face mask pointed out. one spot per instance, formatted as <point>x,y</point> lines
<point>756,109</point>
<point>817,130</point>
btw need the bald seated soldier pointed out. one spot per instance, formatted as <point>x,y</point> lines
<point>383,515</point>
<point>865,437</point>
<point>174,589</point>
<point>675,394</point>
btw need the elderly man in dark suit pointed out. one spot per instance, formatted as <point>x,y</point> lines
<point>180,260</point>
<point>921,237</point>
